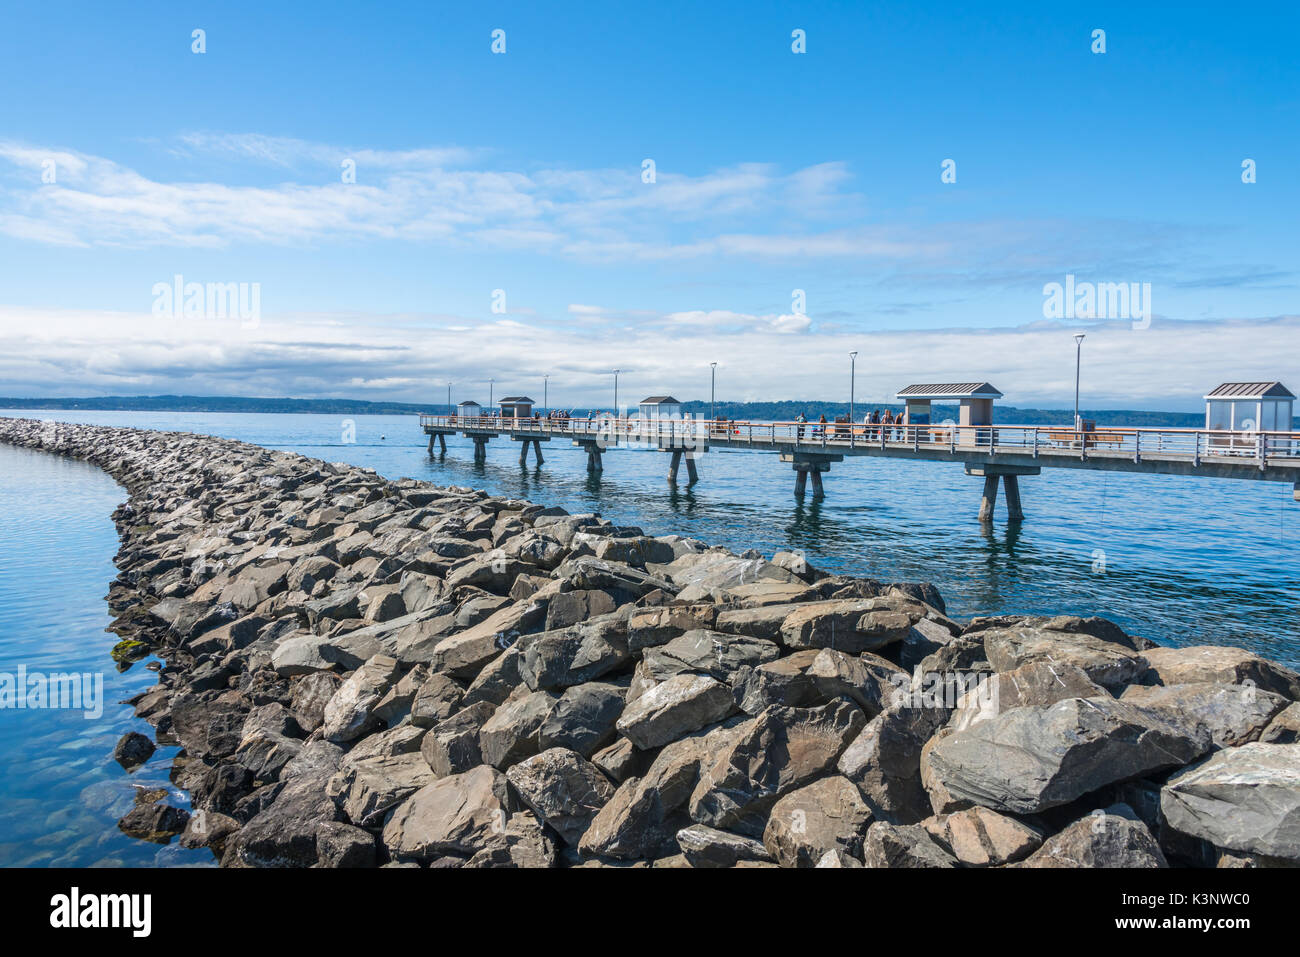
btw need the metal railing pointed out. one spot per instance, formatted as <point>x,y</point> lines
<point>1038,441</point>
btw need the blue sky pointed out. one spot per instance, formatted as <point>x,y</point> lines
<point>775,171</point>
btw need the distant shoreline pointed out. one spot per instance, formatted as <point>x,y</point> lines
<point>785,410</point>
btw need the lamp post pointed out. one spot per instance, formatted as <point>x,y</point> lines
<point>713,391</point>
<point>546,386</point>
<point>616,371</point>
<point>450,408</point>
<point>1078,359</point>
<point>853,378</point>
<point>491,401</point>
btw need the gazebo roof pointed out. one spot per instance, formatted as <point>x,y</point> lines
<point>1251,390</point>
<point>950,390</point>
<point>516,400</point>
<point>659,400</point>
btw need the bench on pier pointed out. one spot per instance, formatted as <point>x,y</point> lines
<point>1090,439</point>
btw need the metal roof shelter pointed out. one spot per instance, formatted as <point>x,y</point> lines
<point>975,399</point>
<point>658,406</point>
<point>516,407</point>
<point>468,407</point>
<point>1249,407</point>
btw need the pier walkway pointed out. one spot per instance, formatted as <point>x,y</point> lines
<point>996,453</point>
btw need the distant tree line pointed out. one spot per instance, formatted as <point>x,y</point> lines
<point>784,411</point>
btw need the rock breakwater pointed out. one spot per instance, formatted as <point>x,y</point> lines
<point>364,672</point>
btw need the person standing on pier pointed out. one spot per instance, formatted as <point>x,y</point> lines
<point>801,419</point>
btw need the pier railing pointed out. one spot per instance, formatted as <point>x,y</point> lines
<point>1035,440</point>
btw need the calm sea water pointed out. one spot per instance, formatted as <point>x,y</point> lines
<point>61,792</point>
<point>1182,561</point>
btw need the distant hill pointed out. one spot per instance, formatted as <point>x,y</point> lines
<point>783,411</point>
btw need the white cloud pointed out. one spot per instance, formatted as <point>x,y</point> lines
<point>63,352</point>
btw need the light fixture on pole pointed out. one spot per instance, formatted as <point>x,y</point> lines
<point>616,372</point>
<point>713,391</point>
<point>1078,359</point>
<point>491,401</point>
<point>853,378</point>
<point>450,408</point>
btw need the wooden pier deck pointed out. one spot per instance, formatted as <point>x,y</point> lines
<point>996,453</point>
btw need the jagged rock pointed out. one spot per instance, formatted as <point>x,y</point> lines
<point>209,726</point>
<point>871,681</point>
<point>1234,714</point>
<point>620,761</point>
<point>849,626</point>
<point>1114,837</point>
<point>704,846</point>
<point>1030,759</point>
<point>903,845</point>
<point>523,843</point>
<point>583,719</point>
<point>678,706</point>
<point>464,654</point>
<point>342,845</point>
<point>787,682</point>
<point>370,787</point>
<point>555,660</point>
<point>1176,666</point>
<point>206,828</point>
<point>835,858</point>
<point>574,607</point>
<point>563,789</point>
<point>1244,799</point>
<point>452,745</point>
<point>156,823</point>
<point>308,697</point>
<point>708,652</point>
<point>460,814</point>
<point>645,813</point>
<point>884,762</point>
<point>808,823</point>
<point>350,712</point>
<point>284,833</point>
<point>1108,663</point>
<point>510,735</point>
<point>438,698</point>
<point>780,750</point>
<point>1284,728</point>
<point>658,626</point>
<point>978,837</point>
<point>1037,683</point>
<point>132,750</point>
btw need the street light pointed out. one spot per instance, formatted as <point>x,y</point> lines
<point>1078,359</point>
<point>546,386</point>
<point>713,391</point>
<point>853,378</point>
<point>490,400</point>
<point>616,372</point>
<point>450,409</point>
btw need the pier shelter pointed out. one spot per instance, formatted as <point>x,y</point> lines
<point>516,407</point>
<point>1249,407</point>
<point>660,407</point>
<point>975,402</point>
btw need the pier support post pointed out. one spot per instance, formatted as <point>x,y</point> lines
<point>1011,488</point>
<point>692,472</point>
<point>537,451</point>
<point>1009,475</point>
<point>431,438</point>
<point>810,463</point>
<point>592,447</point>
<point>480,447</point>
<point>989,501</point>
<point>442,443</point>
<point>1295,492</point>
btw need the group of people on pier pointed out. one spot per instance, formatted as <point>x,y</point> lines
<point>887,425</point>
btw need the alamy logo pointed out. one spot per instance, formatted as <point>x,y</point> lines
<point>73,910</point>
<point>1101,300</point>
<point>213,300</point>
<point>24,690</point>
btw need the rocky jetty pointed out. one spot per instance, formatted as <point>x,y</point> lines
<point>363,672</point>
